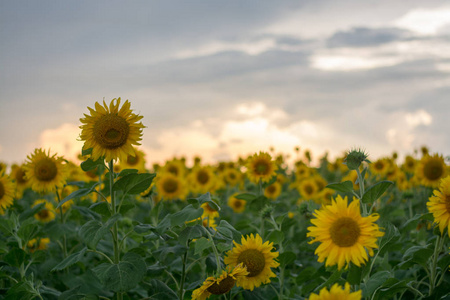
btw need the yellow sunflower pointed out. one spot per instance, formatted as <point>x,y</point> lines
<point>44,172</point>
<point>18,175</point>
<point>171,187</point>
<point>208,211</point>
<point>110,132</point>
<point>47,213</point>
<point>336,293</point>
<point>38,244</point>
<point>409,165</point>
<point>308,189</point>
<point>431,170</point>
<point>439,205</point>
<point>257,257</point>
<point>344,235</point>
<point>238,205</point>
<point>202,180</point>
<point>7,191</point>
<point>176,167</point>
<point>273,190</point>
<point>232,176</point>
<point>134,161</point>
<point>220,285</point>
<point>261,166</point>
<point>380,167</point>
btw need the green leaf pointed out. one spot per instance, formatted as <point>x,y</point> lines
<point>344,187</point>
<point>23,290</point>
<point>201,244</point>
<point>78,193</point>
<point>286,258</point>
<point>416,255</point>
<point>28,229</point>
<point>125,172</point>
<point>188,213</point>
<point>374,282</point>
<point>159,290</point>
<point>354,274</point>
<point>391,287</point>
<point>93,231</point>
<point>276,237</point>
<point>363,174</point>
<point>15,257</point>
<point>70,260</point>
<point>259,203</point>
<point>85,152</point>
<point>89,164</point>
<point>391,236</point>
<point>226,228</point>
<point>190,233</point>
<point>246,196</point>
<point>375,191</point>
<point>123,276</point>
<point>101,208</point>
<point>134,183</point>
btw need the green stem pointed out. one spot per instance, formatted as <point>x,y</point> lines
<point>216,253</point>
<point>433,275</point>
<point>64,243</point>
<point>102,254</point>
<point>183,275</point>
<point>115,231</point>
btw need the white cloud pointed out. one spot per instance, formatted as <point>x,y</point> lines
<point>62,140</point>
<point>420,117</point>
<point>425,21</point>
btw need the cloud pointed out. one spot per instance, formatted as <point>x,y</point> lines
<point>363,37</point>
<point>425,21</point>
<point>62,140</point>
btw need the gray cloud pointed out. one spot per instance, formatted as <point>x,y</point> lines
<point>363,37</point>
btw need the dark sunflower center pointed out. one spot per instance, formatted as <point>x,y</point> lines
<point>345,232</point>
<point>2,190</point>
<point>45,169</point>
<point>132,160</point>
<point>271,189</point>
<point>20,176</point>
<point>254,260</point>
<point>232,176</point>
<point>43,214</point>
<point>308,189</point>
<point>261,168</point>
<point>173,170</point>
<point>410,164</point>
<point>222,287</point>
<point>433,170</point>
<point>237,204</point>
<point>447,203</point>
<point>379,165</point>
<point>202,177</point>
<point>209,208</point>
<point>111,131</point>
<point>170,185</point>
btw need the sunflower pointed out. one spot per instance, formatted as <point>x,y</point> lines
<point>219,285</point>
<point>260,167</point>
<point>18,175</point>
<point>202,180</point>
<point>136,161</point>
<point>273,190</point>
<point>336,292</point>
<point>344,235</point>
<point>302,171</point>
<point>111,132</point>
<point>7,191</point>
<point>44,172</point>
<point>439,205</point>
<point>258,259</point>
<point>431,169</point>
<point>38,244</point>
<point>238,205</point>
<point>308,189</point>
<point>380,167</point>
<point>208,211</point>
<point>232,176</point>
<point>176,167</point>
<point>409,165</point>
<point>47,213</point>
<point>171,187</point>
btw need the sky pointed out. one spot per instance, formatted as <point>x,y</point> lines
<point>222,79</point>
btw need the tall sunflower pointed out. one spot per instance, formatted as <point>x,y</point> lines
<point>439,205</point>
<point>219,285</point>
<point>261,166</point>
<point>7,191</point>
<point>431,170</point>
<point>44,172</point>
<point>336,292</point>
<point>111,132</point>
<point>344,235</point>
<point>257,257</point>
<point>171,187</point>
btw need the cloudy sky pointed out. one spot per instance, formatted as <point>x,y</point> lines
<point>224,78</point>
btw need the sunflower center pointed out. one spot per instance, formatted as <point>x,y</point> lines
<point>45,169</point>
<point>447,203</point>
<point>237,204</point>
<point>254,260</point>
<point>202,177</point>
<point>43,214</point>
<point>132,160</point>
<point>308,189</point>
<point>2,190</point>
<point>232,176</point>
<point>111,131</point>
<point>345,232</point>
<point>170,185</point>
<point>261,168</point>
<point>379,165</point>
<point>20,176</point>
<point>224,286</point>
<point>271,189</point>
<point>433,170</point>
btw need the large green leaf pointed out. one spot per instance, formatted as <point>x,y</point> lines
<point>70,260</point>
<point>344,187</point>
<point>123,276</point>
<point>78,193</point>
<point>375,191</point>
<point>94,230</point>
<point>190,233</point>
<point>374,282</point>
<point>159,290</point>
<point>15,257</point>
<point>188,213</point>
<point>202,244</point>
<point>134,183</point>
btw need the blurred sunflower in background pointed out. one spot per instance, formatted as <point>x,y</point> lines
<point>47,213</point>
<point>18,175</point>
<point>45,172</point>
<point>431,170</point>
<point>38,244</point>
<point>202,180</point>
<point>7,192</point>
<point>344,235</point>
<point>261,167</point>
<point>237,205</point>
<point>171,187</point>
<point>336,293</point>
<point>439,205</point>
<point>136,161</point>
<point>175,166</point>
<point>111,132</point>
<point>273,191</point>
<point>257,257</point>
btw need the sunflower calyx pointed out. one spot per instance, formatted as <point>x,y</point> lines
<point>355,157</point>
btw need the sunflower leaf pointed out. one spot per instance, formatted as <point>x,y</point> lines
<point>78,193</point>
<point>94,230</point>
<point>70,260</point>
<point>134,183</point>
<point>187,214</point>
<point>201,244</point>
<point>159,290</point>
<point>191,232</point>
<point>375,191</point>
<point>246,196</point>
<point>89,164</point>
<point>344,187</point>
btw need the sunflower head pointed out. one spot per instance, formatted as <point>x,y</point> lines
<point>238,205</point>
<point>336,292</point>
<point>111,132</point>
<point>7,192</point>
<point>136,161</point>
<point>273,191</point>
<point>257,257</point>
<point>261,167</point>
<point>47,213</point>
<point>202,179</point>
<point>439,205</point>
<point>171,187</point>
<point>45,172</point>
<point>355,158</point>
<point>432,169</point>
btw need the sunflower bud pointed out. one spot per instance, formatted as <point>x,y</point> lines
<point>355,157</point>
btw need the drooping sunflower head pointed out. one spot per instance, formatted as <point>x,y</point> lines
<point>111,132</point>
<point>439,205</point>
<point>47,213</point>
<point>238,205</point>
<point>209,211</point>
<point>257,257</point>
<point>7,192</point>
<point>219,285</point>
<point>45,172</point>
<point>261,167</point>
<point>171,187</point>
<point>431,170</point>
<point>336,293</point>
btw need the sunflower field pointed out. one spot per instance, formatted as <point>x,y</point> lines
<point>355,227</point>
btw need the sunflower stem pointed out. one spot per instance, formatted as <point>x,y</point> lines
<point>116,246</point>
<point>433,275</point>
<point>61,213</point>
<point>216,253</point>
<point>183,275</point>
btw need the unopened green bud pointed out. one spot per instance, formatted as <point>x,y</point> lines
<point>355,157</point>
